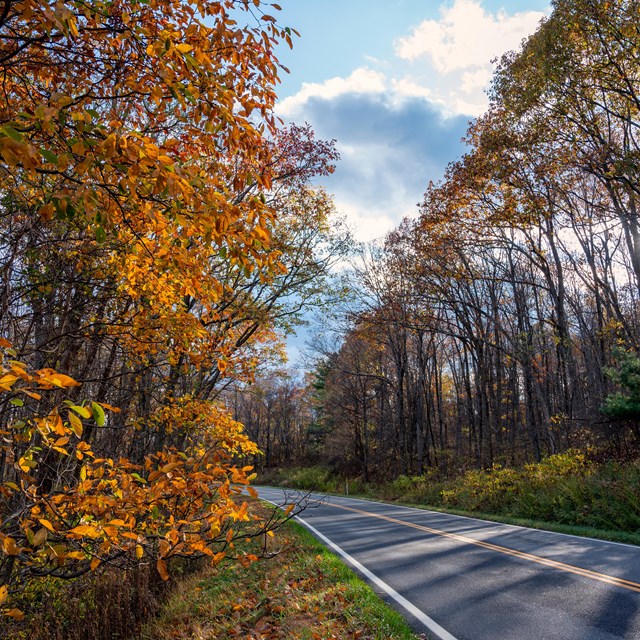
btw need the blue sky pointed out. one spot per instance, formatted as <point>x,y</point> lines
<point>395,82</point>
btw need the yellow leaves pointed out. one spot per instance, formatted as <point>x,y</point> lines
<point>165,159</point>
<point>46,524</point>
<point>59,444</point>
<point>78,147</point>
<point>76,424</point>
<point>7,381</point>
<point>49,378</point>
<point>262,234</point>
<point>113,507</point>
<point>16,153</point>
<point>46,211</point>
<point>184,48</point>
<point>26,464</point>
<point>117,523</point>
<point>108,147</point>
<point>81,411</point>
<point>9,546</point>
<point>16,614</point>
<point>83,449</point>
<point>171,466</point>
<point>4,593</point>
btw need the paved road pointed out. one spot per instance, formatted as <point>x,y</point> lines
<point>468,579</point>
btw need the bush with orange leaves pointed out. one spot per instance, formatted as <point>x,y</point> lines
<point>66,511</point>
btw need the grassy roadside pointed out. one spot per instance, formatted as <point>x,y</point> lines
<point>566,493</point>
<point>303,592</point>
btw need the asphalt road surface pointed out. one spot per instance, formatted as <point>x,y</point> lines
<point>459,578</point>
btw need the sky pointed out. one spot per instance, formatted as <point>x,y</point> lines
<point>395,83</point>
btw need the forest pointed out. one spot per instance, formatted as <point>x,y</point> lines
<point>501,325</point>
<point>158,235</point>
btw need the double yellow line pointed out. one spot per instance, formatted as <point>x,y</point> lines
<point>586,573</point>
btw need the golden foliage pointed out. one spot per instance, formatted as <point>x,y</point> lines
<point>136,130</point>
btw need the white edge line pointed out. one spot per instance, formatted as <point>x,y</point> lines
<point>432,625</point>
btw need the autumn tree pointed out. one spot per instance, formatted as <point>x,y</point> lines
<point>148,240</point>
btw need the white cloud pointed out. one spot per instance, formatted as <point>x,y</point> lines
<point>446,62</point>
<point>452,55</point>
<point>407,88</point>
<point>367,225</point>
<point>362,80</point>
<point>475,80</point>
<point>466,36</point>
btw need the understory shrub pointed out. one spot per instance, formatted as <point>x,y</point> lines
<point>106,605</point>
<point>565,488</point>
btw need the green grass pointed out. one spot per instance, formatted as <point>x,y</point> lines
<point>303,592</point>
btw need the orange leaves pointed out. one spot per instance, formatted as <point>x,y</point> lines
<point>105,167</point>
<point>16,614</point>
<point>12,371</point>
<point>85,531</point>
<point>16,153</point>
<point>161,567</point>
<point>46,524</point>
<point>9,546</point>
<point>175,503</point>
<point>7,381</point>
<point>151,178</point>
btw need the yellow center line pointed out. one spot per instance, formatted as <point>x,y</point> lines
<point>587,573</point>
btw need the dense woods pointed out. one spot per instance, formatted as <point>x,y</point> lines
<point>501,326</point>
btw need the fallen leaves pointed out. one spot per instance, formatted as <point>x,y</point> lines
<point>297,594</point>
